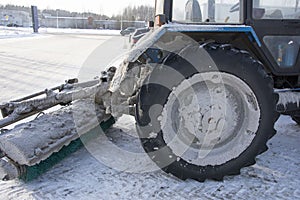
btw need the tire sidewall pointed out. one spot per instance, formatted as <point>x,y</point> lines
<point>229,61</point>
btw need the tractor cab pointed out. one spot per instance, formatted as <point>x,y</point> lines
<point>272,36</point>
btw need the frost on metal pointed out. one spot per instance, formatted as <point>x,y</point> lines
<point>21,109</point>
<point>135,68</point>
<point>286,98</point>
<point>30,143</point>
<point>146,42</point>
<point>8,170</point>
<point>201,120</point>
<point>128,79</point>
<point>34,141</point>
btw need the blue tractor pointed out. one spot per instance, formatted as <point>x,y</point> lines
<point>206,85</point>
<point>225,71</point>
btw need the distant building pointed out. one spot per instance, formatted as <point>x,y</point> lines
<point>48,20</point>
<point>115,24</point>
<point>22,18</point>
<point>15,17</point>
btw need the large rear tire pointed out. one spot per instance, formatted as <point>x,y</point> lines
<point>190,135</point>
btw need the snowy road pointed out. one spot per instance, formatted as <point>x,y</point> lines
<point>31,64</point>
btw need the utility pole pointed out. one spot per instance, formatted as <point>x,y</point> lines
<point>57,19</point>
<point>35,19</point>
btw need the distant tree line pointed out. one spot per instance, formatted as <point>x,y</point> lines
<point>14,7</point>
<point>139,13</point>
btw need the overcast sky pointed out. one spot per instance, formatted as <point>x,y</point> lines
<point>107,7</point>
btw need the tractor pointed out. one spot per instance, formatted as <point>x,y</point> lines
<point>206,86</point>
<point>225,90</point>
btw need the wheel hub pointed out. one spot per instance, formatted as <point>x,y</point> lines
<point>210,118</point>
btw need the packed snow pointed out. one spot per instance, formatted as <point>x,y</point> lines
<point>82,176</point>
<point>115,166</point>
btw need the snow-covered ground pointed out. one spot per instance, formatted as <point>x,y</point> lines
<point>80,31</point>
<point>17,32</point>
<point>38,62</point>
<point>81,176</point>
<point>10,32</point>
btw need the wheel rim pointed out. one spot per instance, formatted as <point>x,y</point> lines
<point>210,118</point>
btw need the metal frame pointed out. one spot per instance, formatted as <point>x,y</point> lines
<point>259,29</point>
<point>273,27</point>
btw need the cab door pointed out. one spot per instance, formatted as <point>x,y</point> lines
<point>277,24</point>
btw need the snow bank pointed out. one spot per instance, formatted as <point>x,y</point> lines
<point>11,32</point>
<point>80,31</point>
<point>18,32</point>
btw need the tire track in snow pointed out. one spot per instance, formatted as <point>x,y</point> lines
<point>82,177</point>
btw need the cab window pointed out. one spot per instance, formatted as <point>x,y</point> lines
<point>206,11</point>
<point>282,9</point>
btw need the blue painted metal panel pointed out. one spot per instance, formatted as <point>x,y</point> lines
<point>217,28</point>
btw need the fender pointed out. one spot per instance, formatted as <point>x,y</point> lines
<point>138,63</point>
<point>153,36</point>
